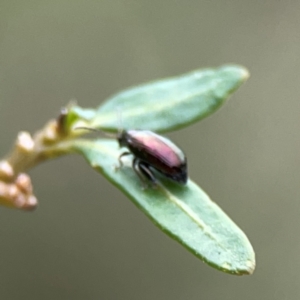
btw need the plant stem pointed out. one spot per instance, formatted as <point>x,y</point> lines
<point>51,141</point>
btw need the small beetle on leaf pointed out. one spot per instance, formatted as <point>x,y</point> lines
<point>151,150</point>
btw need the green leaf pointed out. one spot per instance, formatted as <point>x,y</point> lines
<point>167,104</point>
<point>184,212</point>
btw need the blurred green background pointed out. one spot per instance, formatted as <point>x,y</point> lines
<point>87,240</point>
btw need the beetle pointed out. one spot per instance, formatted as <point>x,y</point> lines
<point>151,151</point>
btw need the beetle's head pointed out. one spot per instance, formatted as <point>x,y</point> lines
<point>122,138</point>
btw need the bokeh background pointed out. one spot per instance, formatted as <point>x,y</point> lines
<point>87,240</point>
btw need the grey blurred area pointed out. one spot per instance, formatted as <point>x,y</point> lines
<point>86,240</point>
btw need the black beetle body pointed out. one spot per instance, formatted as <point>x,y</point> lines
<point>151,150</point>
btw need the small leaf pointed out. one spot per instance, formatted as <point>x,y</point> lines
<point>77,114</point>
<point>167,104</point>
<point>184,212</point>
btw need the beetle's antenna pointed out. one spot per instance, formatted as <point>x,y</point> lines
<point>96,130</point>
<point>120,127</point>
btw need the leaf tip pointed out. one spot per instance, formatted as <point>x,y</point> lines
<point>250,264</point>
<point>247,269</point>
<point>244,74</point>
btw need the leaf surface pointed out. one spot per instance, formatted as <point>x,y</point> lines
<point>185,213</point>
<point>166,104</point>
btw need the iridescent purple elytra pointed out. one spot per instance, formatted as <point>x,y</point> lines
<point>151,150</point>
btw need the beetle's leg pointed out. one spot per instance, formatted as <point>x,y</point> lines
<point>142,170</point>
<point>136,167</point>
<point>120,160</point>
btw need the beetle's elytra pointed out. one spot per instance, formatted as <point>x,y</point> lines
<point>151,150</point>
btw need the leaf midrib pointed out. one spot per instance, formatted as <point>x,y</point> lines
<point>179,204</point>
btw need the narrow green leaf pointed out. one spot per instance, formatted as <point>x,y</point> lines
<point>184,212</point>
<point>167,104</point>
